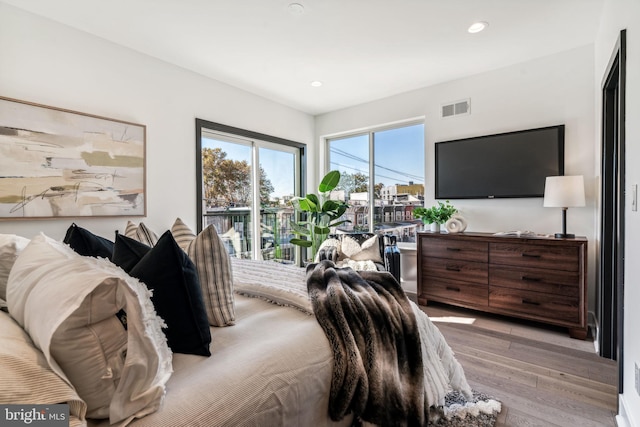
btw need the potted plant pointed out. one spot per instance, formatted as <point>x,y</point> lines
<point>435,215</point>
<point>320,214</point>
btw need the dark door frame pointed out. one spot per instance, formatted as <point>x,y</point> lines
<point>205,124</point>
<point>610,292</point>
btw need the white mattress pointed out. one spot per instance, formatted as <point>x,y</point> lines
<point>272,368</point>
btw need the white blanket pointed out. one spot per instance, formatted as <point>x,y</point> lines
<point>272,368</point>
<point>281,284</point>
<point>286,285</point>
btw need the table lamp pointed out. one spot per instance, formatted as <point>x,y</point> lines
<point>564,192</point>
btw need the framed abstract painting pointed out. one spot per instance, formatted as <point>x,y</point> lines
<point>61,163</point>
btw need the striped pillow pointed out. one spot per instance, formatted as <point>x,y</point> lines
<point>208,253</point>
<point>26,375</point>
<point>10,247</point>
<point>141,233</point>
<point>182,233</point>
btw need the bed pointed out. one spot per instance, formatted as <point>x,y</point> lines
<point>271,368</point>
<point>273,365</point>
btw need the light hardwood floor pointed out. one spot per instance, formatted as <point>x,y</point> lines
<point>541,376</point>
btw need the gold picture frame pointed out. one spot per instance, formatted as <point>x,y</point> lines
<point>57,163</point>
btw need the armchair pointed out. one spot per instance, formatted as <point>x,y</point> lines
<point>362,251</point>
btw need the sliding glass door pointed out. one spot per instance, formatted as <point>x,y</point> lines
<point>247,183</point>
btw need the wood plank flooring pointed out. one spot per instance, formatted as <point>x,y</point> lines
<point>541,376</point>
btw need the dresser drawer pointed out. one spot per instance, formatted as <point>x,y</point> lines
<point>535,305</point>
<point>538,280</point>
<point>445,290</point>
<point>455,249</point>
<point>476,272</point>
<point>537,256</point>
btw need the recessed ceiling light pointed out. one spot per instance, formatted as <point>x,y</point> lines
<point>316,83</point>
<point>296,8</point>
<point>476,27</point>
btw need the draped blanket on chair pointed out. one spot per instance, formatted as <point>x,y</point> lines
<point>378,366</point>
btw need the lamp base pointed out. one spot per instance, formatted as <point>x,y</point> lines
<point>564,236</point>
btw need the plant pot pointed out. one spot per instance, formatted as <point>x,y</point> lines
<point>435,227</point>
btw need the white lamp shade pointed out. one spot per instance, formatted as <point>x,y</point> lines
<point>564,191</point>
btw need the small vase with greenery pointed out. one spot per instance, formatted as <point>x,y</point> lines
<point>320,213</point>
<point>437,214</point>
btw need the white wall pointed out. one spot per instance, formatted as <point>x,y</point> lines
<point>48,63</point>
<point>553,90</point>
<point>618,15</point>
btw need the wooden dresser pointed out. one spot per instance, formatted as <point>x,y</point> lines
<point>540,279</point>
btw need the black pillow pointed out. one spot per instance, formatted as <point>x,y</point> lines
<point>177,297</point>
<point>86,243</point>
<point>127,252</point>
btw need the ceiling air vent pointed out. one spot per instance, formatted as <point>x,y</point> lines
<point>456,108</point>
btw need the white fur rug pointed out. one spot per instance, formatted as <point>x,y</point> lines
<point>481,411</point>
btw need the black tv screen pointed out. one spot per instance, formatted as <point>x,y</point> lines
<point>513,164</point>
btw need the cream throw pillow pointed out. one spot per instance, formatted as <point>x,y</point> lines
<point>208,253</point>
<point>74,309</point>
<point>26,376</point>
<point>328,242</point>
<point>141,233</point>
<point>10,246</point>
<point>369,250</point>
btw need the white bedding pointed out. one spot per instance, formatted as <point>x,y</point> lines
<point>274,366</point>
<point>296,377</point>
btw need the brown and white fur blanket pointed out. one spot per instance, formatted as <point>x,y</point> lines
<point>378,369</point>
<point>287,285</point>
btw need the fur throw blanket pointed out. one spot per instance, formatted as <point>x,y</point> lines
<point>378,366</point>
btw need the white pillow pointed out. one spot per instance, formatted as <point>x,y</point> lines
<point>10,246</point>
<point>208,253</point>
<point>72,308</point>
<point>328,242</point>
<point>368,251</point>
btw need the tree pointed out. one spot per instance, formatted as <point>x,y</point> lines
<point>353,183</point>
<point>228,182</point>
<point>358,183</point>
<point>266,188</point>
<point>377,190</point>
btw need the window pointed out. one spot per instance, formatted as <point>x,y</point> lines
<point>382,178</point>
<point>243,175</point>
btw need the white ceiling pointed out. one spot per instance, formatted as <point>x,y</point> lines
<point>361,50</point>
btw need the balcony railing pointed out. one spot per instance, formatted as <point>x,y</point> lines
<point>234,227</point>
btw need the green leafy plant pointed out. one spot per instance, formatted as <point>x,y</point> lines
<point>276,239</point>
<point>439,213</point>
<point>320,214</point>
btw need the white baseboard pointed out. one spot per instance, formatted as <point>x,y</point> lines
<point>595,330</point>
<point>623,419</point>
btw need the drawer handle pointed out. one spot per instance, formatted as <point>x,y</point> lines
<point>450,268</point>
<point>454,249</point>
<point>531,279</point>
<point>530,255</point>
<point>452,288</point>
<point>526,301</point>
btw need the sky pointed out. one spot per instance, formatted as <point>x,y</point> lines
<point>399,157</point>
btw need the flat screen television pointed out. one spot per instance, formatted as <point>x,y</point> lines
<point>513,164</point>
